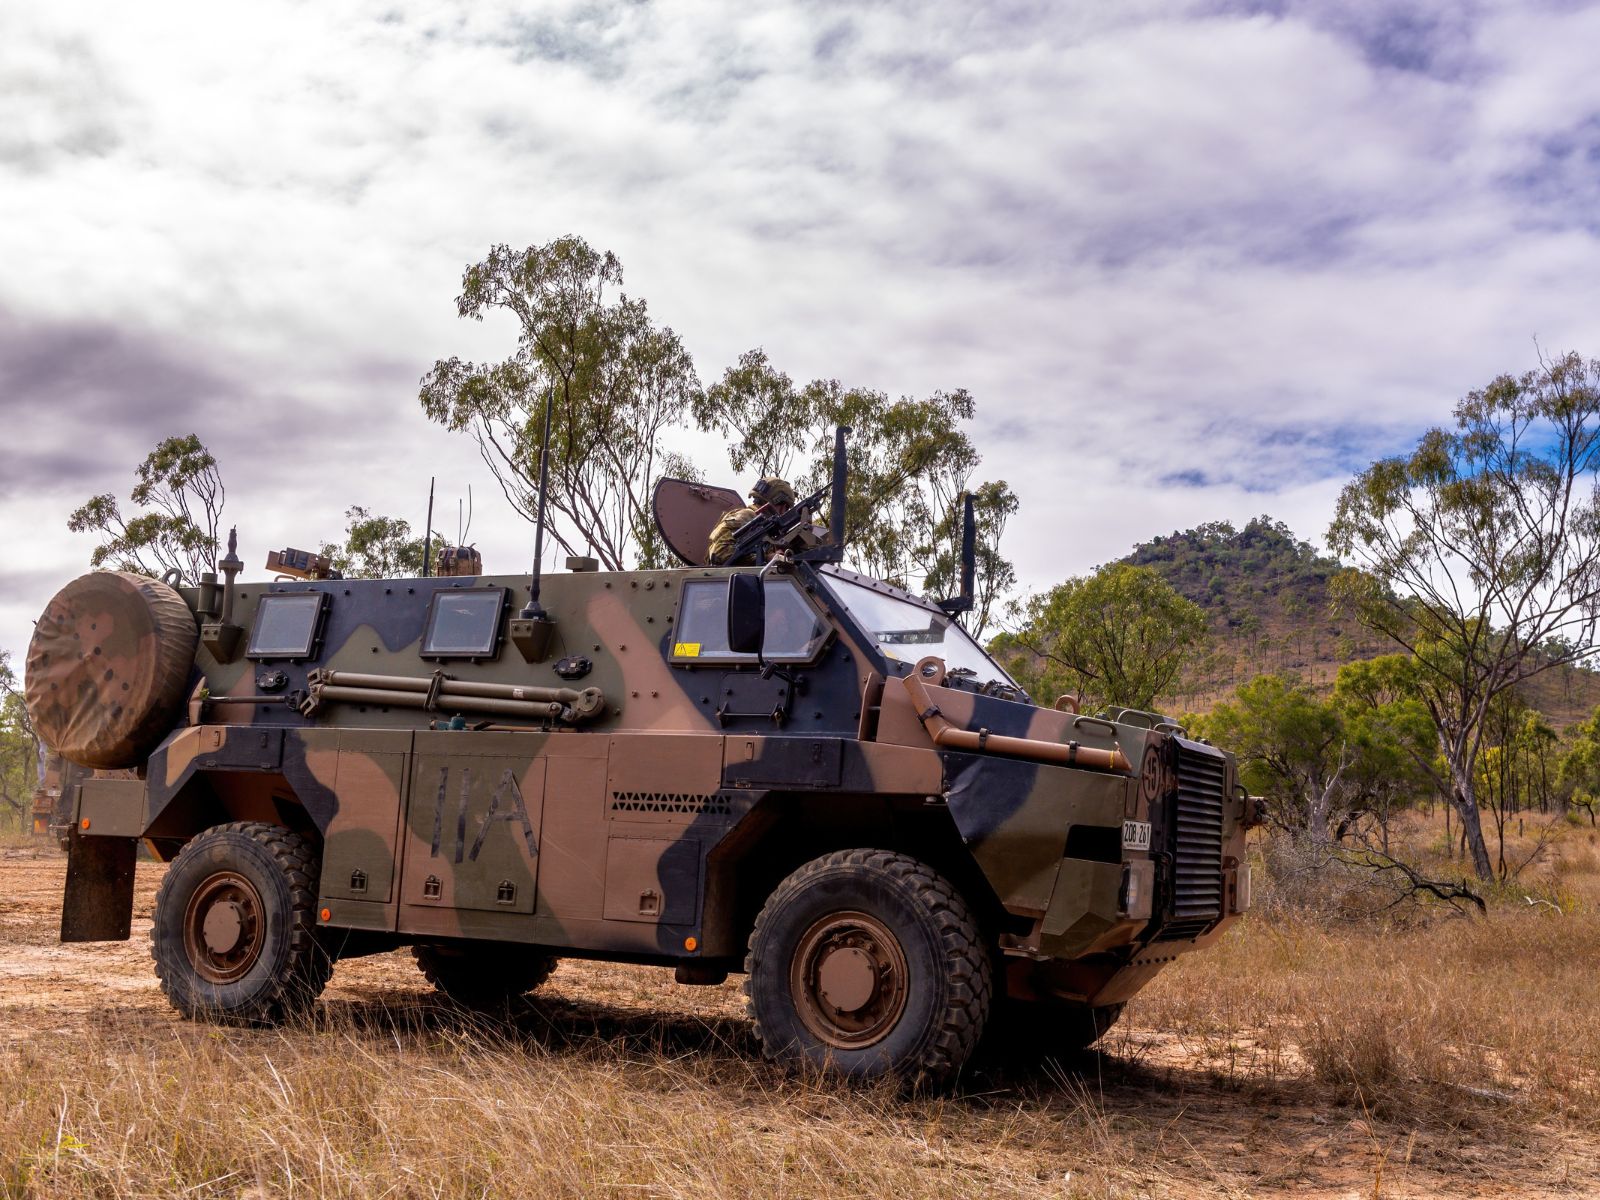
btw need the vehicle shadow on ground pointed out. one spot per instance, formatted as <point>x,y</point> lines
<point>591,1028</point>
<point>553,1023</point>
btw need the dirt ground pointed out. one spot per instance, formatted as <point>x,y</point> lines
<point>1195,1107</point>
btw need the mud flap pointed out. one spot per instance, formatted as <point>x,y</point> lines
<point>98,904</point>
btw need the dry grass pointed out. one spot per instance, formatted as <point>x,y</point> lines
<point>1412,1019</point>
<point>1415,1011</point>
<point>1296,1058</point>
<point>401,1107</point>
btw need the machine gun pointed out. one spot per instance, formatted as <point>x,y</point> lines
<point>772,527</point>
<point>777,528</point>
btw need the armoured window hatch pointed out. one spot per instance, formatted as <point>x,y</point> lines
<point>287,625</point>
<point>464,623</point>
<point>795,633</point>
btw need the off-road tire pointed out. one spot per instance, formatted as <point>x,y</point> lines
<point>485,978</point>
<point>280,967</point>
<point>1034,1029</point>
<point>943,998</point>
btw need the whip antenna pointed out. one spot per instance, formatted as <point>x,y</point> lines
<point>427,537</point>
<point>532,610</point>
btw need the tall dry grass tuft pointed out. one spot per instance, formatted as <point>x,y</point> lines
<point>1412,1009</point>
<point>1358,1038</point>
<point>1354,1051</point>
<point>412,1103</point>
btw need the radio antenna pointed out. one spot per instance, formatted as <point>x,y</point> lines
<point>533,610</point>
<point>427,537</point>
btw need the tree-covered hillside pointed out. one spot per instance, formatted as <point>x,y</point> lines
<point>1267,599</point>
<point>1267,602</point>
<point>1228,570</point>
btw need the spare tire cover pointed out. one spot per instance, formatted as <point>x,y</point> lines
<point>108,668</point>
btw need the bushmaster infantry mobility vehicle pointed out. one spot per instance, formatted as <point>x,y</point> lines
<point>789,770</point>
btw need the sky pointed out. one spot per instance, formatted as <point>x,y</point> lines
<point>1194,261</point>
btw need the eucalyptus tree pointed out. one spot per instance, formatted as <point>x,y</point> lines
<point>1323,761</point>
<point>1396,749</point>
<point>616,380</point>
<point>911,461</point>
<point>1578,769</point>
<point>378,547</point>
<point>1479,553</point>
<point>1120,636</point>
<point>1294,751</point>
<point>19,746</point>
<point>178,488</point>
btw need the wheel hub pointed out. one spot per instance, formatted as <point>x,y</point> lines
<point>223,929</point>
<point>849,980</point>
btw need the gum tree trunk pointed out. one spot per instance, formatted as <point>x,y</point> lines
<point>1466,805</point>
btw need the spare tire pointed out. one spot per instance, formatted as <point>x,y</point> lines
<point>108,668</point>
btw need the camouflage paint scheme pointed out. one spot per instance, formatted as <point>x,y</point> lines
<point>654,831</point>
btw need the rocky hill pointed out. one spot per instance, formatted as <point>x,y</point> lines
<point>1266,596</point>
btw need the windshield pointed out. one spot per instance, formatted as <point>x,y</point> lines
<point>906,632</point>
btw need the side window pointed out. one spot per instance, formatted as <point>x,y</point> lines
<point>287,625</point>
<point>794,630</point>
<point>463,623</point>
<point>702,629</point>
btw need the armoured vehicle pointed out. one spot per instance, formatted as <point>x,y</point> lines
<point>788,770</point>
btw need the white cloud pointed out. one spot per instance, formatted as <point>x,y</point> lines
<point>1245,245</point>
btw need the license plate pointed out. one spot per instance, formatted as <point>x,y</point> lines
<point>1136,835</point>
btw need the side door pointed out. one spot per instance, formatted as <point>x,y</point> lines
<point>473,831</point>
<point>730,685</point>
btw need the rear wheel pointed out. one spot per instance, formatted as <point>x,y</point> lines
<point>483,977</point>
<point>869,963</point>
<point>235,936</point>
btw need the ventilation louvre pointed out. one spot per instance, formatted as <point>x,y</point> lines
<point>678,803</point>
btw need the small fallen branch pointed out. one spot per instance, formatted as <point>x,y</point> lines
<point>1412,882</point>
<point>1417,883</point>
<point>1482,1093</point>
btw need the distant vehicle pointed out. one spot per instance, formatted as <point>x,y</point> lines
<point>48,815</point>
<point>46,796</point>
<point>788,770</point>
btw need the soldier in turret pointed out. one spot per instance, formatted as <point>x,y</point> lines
<point>769,496</point>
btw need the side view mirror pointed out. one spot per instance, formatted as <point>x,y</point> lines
<point>747,613</point>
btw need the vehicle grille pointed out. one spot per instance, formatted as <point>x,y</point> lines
<point>1196,843</point>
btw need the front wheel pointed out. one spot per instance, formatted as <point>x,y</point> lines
<point>235,935</point>
<point>869,963</point>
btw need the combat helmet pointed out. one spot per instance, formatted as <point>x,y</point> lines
<point>772,490</point>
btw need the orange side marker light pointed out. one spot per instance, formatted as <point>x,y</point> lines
<point>690,943</point>
<point>83,824</point>
<point>326,914</point>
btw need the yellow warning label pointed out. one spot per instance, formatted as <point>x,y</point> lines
<point>686,650</point>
